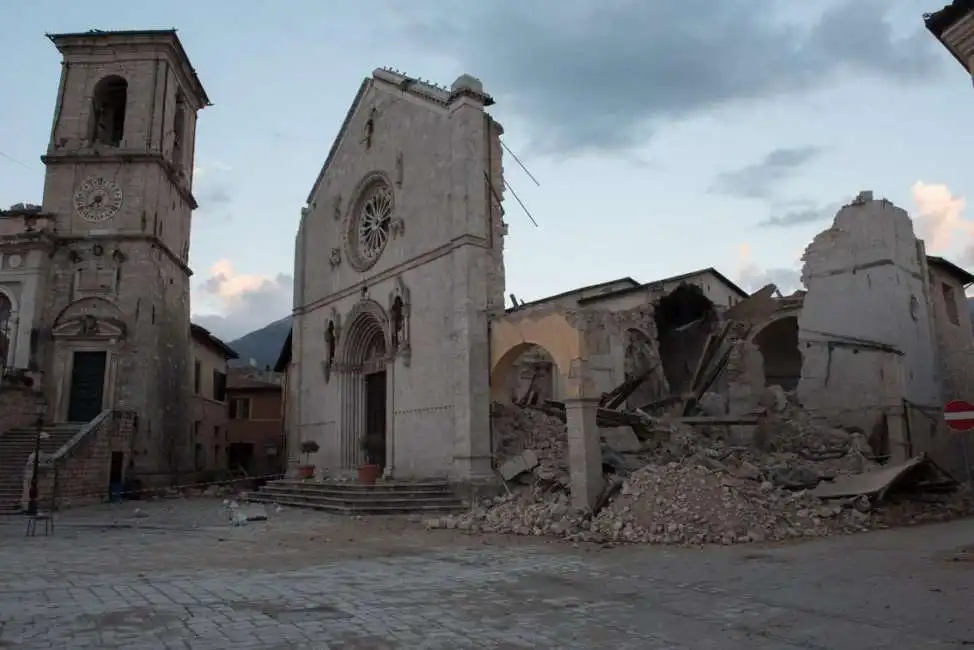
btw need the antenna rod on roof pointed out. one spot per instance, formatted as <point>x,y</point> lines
<point>520,164</point>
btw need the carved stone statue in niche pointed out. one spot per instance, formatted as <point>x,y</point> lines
<point>399,316</point>
<point>332,334</point>
<point>397,320</point>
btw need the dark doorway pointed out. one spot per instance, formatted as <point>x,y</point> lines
<point>87,386</point>
<point>375,412</point>
<point>240,456</point>
<point>115,476</point>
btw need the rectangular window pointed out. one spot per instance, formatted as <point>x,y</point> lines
<point>219,386</point>
<point>240,409</point>
<point>950,302</point>
<point>197,371</point>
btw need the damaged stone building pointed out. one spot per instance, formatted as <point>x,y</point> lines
<point>400,331</point>
<point>94,282</point>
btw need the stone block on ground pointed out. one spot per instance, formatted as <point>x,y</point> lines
<point>621,439</point>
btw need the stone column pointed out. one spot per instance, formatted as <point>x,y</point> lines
<point>388,472</point>
<point>584,451</point>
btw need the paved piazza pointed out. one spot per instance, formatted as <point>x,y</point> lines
<point>179,575</point>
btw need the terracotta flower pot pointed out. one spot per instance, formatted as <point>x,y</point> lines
<point>306,471</point>
<point>368,474</point>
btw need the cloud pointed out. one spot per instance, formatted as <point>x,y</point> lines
<point>752,277</point>
<point>211,189</point>
<point>602,74</point>
<point>940,221</point>
<point>242,302</point>
<point>798,213</point>
<point>759,180</point>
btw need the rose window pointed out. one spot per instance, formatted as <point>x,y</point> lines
<point>369,231</point>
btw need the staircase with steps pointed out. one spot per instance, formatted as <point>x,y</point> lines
<point>16,446</point>
<point>353,498</point>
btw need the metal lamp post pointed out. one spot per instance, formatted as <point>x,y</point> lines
<point>40,410</point>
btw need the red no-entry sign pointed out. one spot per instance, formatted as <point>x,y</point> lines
<point>959,415</point>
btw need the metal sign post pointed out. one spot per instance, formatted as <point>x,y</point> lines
<point>959,416</point>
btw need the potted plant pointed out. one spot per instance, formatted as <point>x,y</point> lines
<point>374,446</point>
<point>307,470</point>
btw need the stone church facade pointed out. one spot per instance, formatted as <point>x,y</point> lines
<point>95,281</point>
<point>398,265</point>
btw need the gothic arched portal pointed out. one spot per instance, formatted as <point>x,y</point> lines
<point>364,386</point>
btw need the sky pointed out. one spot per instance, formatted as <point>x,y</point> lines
<point>665,136</point>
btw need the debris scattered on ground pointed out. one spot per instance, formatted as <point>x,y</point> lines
<point>690,485</point>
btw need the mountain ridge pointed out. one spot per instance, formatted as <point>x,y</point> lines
<point>261,347</point>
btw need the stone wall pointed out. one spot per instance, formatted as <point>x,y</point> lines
<point>131,266</point>
<point>17,406</point>
<point>81,469</point>
<point>434,150</point>
<point>864,327</point>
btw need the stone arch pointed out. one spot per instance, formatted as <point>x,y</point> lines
<point>364,323</point>
<point>108,105</point>
<point>573,350</point>
<point>84,313</point>
<point>778,342</point>
<point>365,384</point>
<point>12,297</point>
<point>531,375</point>
<point>512,336</point>
<point>8,327</point>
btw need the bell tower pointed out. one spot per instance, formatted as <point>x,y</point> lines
<point>119,183</point>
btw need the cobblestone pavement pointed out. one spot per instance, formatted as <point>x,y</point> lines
<point>183,577</point>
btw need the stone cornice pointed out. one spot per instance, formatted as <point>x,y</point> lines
<point>130,237</point>
<point>390,273</point>
<point>110,155</point>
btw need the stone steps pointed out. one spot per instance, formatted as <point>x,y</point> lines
<point>16,446</point>
<point>352,498</point>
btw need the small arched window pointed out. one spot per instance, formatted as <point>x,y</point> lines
<point>6,316</point>
<point>108,104</point>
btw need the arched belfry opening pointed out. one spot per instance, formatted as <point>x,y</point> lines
<point>108,103</point>
<point>364,386</point>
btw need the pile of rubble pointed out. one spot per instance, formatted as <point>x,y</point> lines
<point>689,485</point>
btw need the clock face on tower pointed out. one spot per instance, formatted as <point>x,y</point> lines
<point>98,199</point>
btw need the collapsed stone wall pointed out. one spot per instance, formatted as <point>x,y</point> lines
<point>687,485</point>
<point>864,327</point>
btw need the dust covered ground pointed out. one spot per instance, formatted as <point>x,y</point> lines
<point>177,574</point>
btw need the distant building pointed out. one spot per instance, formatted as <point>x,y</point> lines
<point>208,405</point>
<point>255,431</point>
